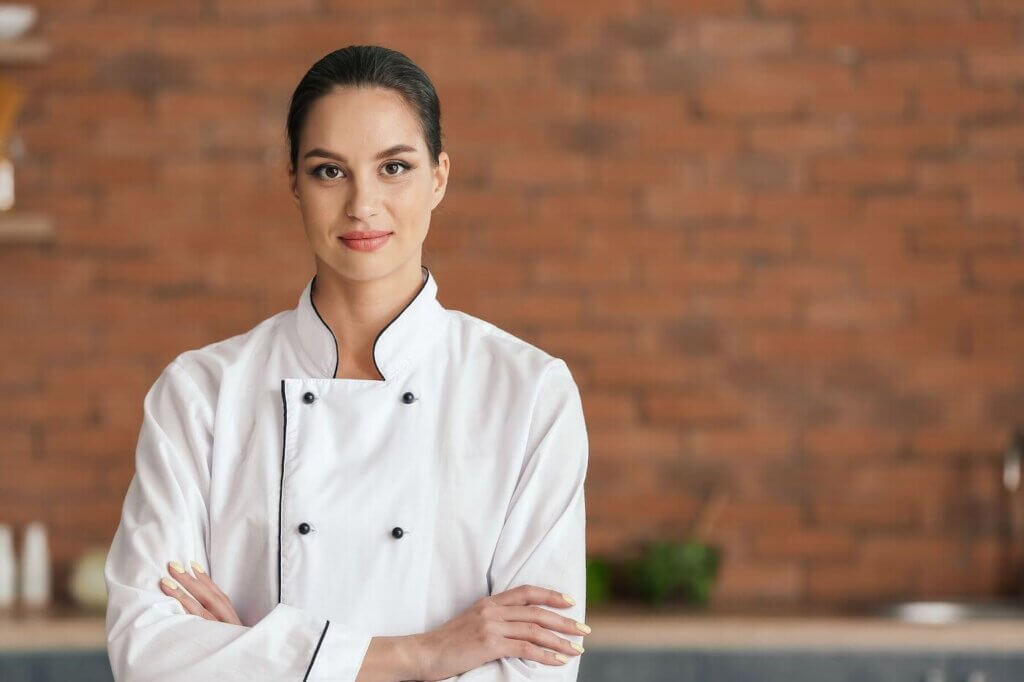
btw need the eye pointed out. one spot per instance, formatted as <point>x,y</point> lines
<point>400,164</point>
<point>316,172</point>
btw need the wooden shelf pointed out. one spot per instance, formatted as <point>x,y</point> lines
<point>23,227</point>
<point>24,50</point>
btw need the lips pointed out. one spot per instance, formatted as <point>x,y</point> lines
<point>370,234</point>
<point>370,240</point>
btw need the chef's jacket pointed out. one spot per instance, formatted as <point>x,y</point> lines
<point>334,510</point>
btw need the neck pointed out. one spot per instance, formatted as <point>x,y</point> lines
<point>357,310</point>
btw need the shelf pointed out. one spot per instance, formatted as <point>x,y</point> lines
<point>23,227</point>
<point>24,50</point>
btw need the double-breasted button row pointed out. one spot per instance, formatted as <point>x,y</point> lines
<point>309,397</point>
<point>304,528</point>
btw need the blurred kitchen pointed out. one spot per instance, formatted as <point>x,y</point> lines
<point>778,242</point>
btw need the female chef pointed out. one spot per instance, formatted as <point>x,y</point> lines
<point>368,486</point>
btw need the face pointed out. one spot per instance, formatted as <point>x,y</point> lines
<point>363,166</point>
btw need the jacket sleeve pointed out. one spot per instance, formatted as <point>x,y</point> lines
<point>165,516</point>
<point>543,540</point>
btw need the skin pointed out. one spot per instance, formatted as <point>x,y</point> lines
<point>357,294</point>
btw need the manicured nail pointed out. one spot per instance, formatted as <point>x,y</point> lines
<point>561,657</point>
<point>196,567</point>
<point>169,584</point>
<point>568,598</point>
<point>177,567</point>
<point>582,627</point>
<point>576,646</point>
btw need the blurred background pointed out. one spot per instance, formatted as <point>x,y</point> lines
<point>779,243</point>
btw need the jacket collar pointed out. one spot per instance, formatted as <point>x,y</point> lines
<point>397,345</point>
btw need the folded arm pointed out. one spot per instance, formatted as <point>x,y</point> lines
<point>543,540</point>
<point>150,636</point>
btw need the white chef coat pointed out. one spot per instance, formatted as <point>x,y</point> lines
<point>473,445</point>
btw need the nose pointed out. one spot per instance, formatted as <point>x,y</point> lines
<point>361,202</point>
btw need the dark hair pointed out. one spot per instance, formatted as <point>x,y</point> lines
<point>367,65</point>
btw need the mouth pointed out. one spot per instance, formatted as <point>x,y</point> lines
<point>365,241</point>
<point>367,234</point>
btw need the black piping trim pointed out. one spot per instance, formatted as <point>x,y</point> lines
<point>316,651</point>
<point>337,353</point>
<point>280,494</point>
<point>420,291</point>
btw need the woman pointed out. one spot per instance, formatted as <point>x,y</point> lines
<point>368,486</point>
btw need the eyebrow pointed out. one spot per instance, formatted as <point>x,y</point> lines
<point>390,151</point>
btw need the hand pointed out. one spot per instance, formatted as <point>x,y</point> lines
<point>206,599</point>
<point>504,624</point>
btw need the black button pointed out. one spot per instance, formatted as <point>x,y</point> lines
<point>304,528</point>
<point>308,397</point>
<point>397,532</point>
<point>408,397</point>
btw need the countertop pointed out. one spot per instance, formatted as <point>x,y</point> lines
<point>635,628</point>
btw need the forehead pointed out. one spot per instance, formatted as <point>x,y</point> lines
<point>360,122</point>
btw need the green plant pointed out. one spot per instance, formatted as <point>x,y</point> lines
<point>667,570</point>
<point>599,580</point>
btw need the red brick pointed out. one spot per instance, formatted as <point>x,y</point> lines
<point>263,8</point>
<point>762,581</point>
<point>801,138</point>
<point>664,271</point>
<point>758,239</point>
<point>734,446</point>
<point>964,238</point>
<point>870,515</point>
<point>698,407</point>
<point>914,9</point>
<point>805,543</point>
<point>905,138</point>
<point>995,136</point>
<point>980,172</point>
<point>1000,203</point>
<point>818,345</point>
<point>966,103</point>
<point>804,278</point>
<point>915,208</point>
<point>883,36</point>
<point>999,271</point>
<point>844,582</point>
<point>745,38</point>
<point>645,370</point>
<point>911,71</point>
<point>862,169</point>
<point>996,66</point>
<point>856,311</point>
<point>810,7</point>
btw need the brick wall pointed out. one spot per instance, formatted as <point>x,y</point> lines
<point>778,241</point>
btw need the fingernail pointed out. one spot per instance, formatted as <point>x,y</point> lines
<point>169,584</point>
<point>582,627</point>
<point>561,657</point>
<point>568,598</point>
<point>177,567</point>
<point>196,567</point>
<point>576,646</point>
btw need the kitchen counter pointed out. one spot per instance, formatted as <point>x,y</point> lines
<point>631,629</point>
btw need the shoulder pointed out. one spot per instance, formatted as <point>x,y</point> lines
<point>204,368</point>
<point>483,344</point>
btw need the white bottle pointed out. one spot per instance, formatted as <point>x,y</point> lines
<point>8,572</point>
<point>35,567</point>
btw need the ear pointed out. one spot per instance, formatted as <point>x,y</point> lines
<point>441,178</point>
<point>292,184</point>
